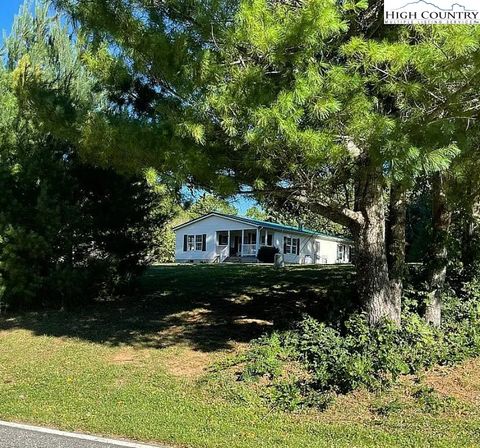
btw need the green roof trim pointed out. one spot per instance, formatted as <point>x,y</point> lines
<point>276,226</point>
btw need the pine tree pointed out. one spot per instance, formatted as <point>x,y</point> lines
<point>313,103</point>
<point>69,231</point>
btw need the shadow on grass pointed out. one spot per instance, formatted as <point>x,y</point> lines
<point>209,307</point>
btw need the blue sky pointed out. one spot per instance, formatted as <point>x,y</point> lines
<point>243,204</point>
<point>8,10</point>
<point>240,202</point>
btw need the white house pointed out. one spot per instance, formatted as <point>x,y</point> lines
<point>216,238</point>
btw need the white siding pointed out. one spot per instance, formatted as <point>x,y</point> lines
<point>305,244</point>
<point>213,224</point>
<point>208,226</point>
<point>328,249</point>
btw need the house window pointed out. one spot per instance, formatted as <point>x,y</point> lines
<point>287,245</point>
<point>269,240</point>
<point>191,242</point>
<point>295,245</point>
<point>291,245</point>
<point>223,239</point>
<point>250,238</point>
<point>195,243</point>
<point>198,242</point>
<point>342,253</point>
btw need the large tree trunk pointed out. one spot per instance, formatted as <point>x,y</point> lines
<point>396,225</point>
<point>438,254</point>
<point>470,238</point>
<point>373,280</point>
<point>379,294</point>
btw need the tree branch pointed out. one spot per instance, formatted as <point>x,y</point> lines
<point>333,211</point>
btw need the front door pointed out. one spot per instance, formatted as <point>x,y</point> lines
<point>236,246</point>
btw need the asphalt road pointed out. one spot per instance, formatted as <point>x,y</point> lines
<point>21,436</point>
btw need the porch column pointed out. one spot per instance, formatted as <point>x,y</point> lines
<point>266,237</point>
<point>228,244</point>
<point>241,246</point>
<point>257,241</point>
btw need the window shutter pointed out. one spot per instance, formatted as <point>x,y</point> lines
<point>298,246</point>
<point>204,242</point>
<point>284,244</point>
<point>184,243</point>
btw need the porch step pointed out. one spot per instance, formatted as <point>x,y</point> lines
<point>233,259</point>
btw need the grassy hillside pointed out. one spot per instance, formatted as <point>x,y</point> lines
<point>139,368</point>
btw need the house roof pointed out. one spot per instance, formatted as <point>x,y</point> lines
<point>267,225</point>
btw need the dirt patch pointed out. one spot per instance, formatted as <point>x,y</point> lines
<point>461,382</point>
<point>355,407</point>
<point>188,363</point>
<point>127,355</point>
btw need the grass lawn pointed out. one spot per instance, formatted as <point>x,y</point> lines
<point>138,368</point>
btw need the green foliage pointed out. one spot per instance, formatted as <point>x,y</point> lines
<point>163,250</point>
<point>208,203</point>
<point>256,213</point>
<point>286,395</point>
<point>330,361</point>
<point>266,356</point>
<point>69,232</point>
<point>363,356</point>
<point>431,401</point>
<point>266,254</point>
<point>270,90</point>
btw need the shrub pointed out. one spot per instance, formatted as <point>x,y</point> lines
<point>461,326</point>
<point>392,407</point>
<point>80,233</point>
<point>333,361</point>
<point>362,356</point>
<point>431,401</point>
<point>265,357</point>
<point>287,395</point>
<point>266,254</point>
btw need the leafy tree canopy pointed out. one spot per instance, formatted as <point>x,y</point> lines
<point>69,232</point>
<point>312,105</point>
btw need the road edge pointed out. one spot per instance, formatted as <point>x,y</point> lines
<point>80,436</point>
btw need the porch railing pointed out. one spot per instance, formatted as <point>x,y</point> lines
<point>249,249</point>
<point>222,252</point>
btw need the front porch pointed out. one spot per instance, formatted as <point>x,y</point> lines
<point>240,245</point>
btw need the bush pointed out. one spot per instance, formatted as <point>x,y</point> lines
<point>431,401</point>
<point>266,356</point>
<point>266,254</point>
<point>331,361</point>
<point>362,356</point>
<point>82,232</point>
